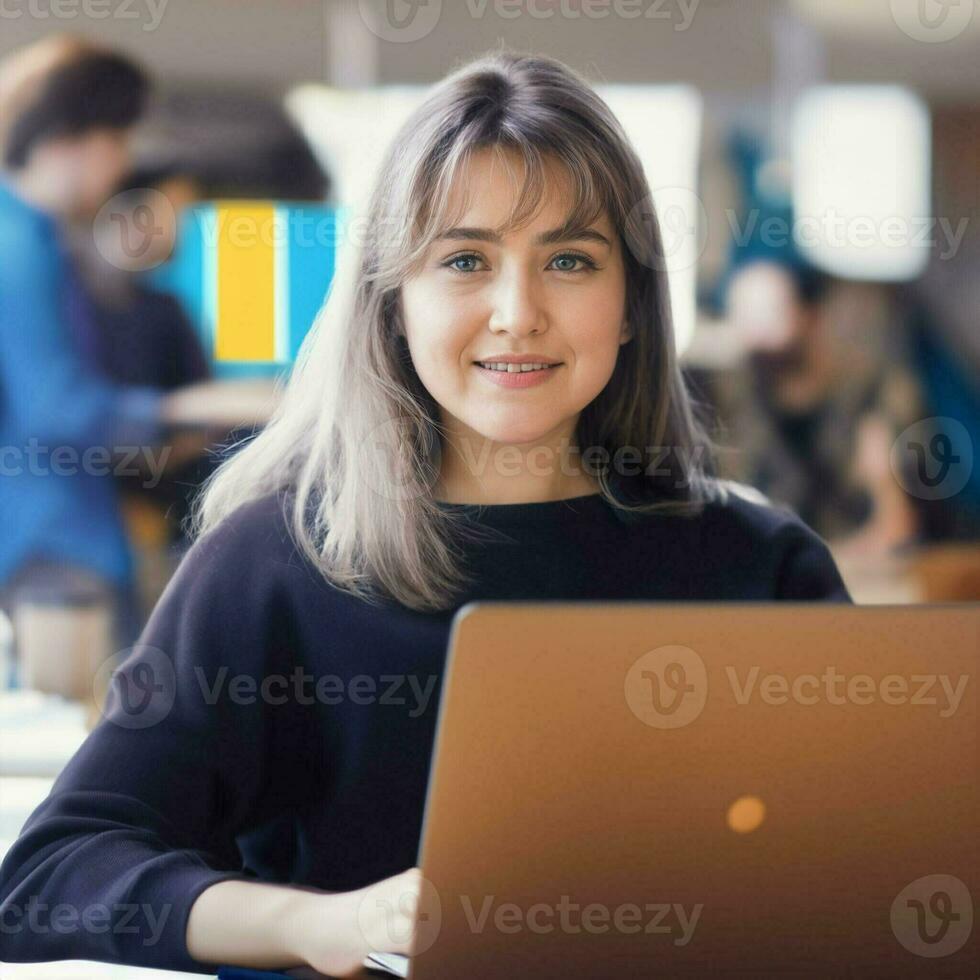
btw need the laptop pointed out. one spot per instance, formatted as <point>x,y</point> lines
<point>638,789</point>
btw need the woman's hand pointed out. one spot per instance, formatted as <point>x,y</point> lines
<point>335,932</point>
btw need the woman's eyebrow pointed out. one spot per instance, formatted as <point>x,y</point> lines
<point>552,237</point>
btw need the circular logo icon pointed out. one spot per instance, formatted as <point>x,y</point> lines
<point>400,913</point>
<point>932,21</point>
<point>668,230</point>
<point>135,231</point>
<point>667,687</point>
<point>933,916</point>
<point>933,458</point>
<point>139,691</point>
<point>383,466</point>
<point>400,21</point>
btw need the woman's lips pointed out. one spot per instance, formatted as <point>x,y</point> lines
<point>517,379</point>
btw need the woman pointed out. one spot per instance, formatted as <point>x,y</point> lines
<point>250,782</point>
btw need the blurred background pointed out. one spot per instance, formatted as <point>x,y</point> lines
<point>815,165</point>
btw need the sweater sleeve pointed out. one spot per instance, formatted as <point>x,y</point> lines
<point>145,815</point>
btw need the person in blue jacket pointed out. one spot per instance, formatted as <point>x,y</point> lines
<point>491,408</point>
<point>67,108</point>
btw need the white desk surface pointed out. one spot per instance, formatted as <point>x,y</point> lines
<point>87,970</point>
<point>39,733</point>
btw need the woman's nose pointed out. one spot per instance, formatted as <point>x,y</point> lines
<point>517,307</point>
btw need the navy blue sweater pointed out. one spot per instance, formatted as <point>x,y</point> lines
<point>272,727</point>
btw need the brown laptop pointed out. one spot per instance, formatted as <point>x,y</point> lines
<point>646,790</point>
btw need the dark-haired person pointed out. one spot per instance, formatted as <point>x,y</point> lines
<point>146,337</point>
<point>820,400</point>
<point>480,413</point>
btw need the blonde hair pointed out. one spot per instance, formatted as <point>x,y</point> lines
<point>368,519</point>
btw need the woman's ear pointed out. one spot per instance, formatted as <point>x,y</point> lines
<point>626,333</point>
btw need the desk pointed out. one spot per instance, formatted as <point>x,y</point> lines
<point>90,970</point>
<point>39,733</point>
<point>87,970</point>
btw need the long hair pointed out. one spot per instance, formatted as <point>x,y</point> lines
<point>356,439</point>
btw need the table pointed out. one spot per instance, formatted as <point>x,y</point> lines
<point>87,970</point>
<point>39,733</point>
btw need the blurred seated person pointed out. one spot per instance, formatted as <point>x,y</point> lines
<point>145,335</point>
<point>67,108</point>
<point>822,395</point>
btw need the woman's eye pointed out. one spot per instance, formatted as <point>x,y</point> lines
<point>566,262</point>
<point>462,263</point>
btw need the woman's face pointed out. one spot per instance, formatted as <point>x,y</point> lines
<point>481,297</point>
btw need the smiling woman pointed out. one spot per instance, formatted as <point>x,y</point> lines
<point>410,469</point>
<point>504,225</point>
<point>542,308</point>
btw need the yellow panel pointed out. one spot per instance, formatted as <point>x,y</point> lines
<point>245,329</point>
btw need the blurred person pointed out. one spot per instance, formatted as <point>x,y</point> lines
<point>145,335</point>
<point>454,429</point>
<point>66,112</point>
<point>67,109</point>
<point>818,403</point>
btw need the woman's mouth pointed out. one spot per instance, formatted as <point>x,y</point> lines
<point>508,375</point>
